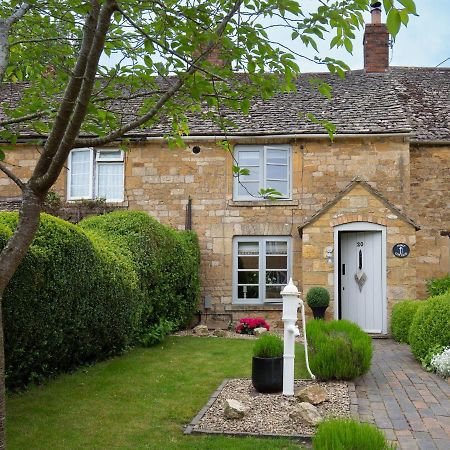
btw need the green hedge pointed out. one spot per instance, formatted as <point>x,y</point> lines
<point>166,263</point>
<point>401,319</point>
<point>81,294</point>
<point>430,326</point>
<point>339,349</point>
<point>438,286</point>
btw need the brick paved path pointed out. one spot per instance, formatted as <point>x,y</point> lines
<point>410,405</point>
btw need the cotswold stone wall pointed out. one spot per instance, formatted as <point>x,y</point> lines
<point>430,195</point>
<point>160,181</point>
<point>359,205</point>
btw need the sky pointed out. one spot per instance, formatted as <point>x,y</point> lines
<point>424,42</point>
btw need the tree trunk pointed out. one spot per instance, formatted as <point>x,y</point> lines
<point>10,258</point>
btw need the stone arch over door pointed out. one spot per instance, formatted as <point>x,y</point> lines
<point>358,204</point>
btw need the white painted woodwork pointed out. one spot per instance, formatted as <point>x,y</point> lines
<point>365,307</point>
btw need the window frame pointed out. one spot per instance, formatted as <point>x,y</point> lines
<point>263,183</point>
<point>262,240</point>
<point>94,162</point>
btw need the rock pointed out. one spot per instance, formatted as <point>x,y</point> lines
<point>201,330</point>
<point>220,333</point>
<point>234,409</point>
<point>259,331</point>
<point>305,412</point>
<point>312,394</point>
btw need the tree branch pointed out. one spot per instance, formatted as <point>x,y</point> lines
<point>18,14</point>
<point>21,119</point>
<point>93,142</point>
<point>12,176</point>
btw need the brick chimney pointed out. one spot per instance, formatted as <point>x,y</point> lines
<point>376,42</point>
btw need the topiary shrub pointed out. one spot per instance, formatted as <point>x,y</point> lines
<point>339,349</point>
<point>438,286</point>
<point>347,434</point>
<point>318,296</point>
<point>401,319</point>
<point>430,326</point>
<point>268,346</point>
<point>167,264</point>
<point>72,300</point>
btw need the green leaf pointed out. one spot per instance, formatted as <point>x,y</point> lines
<point>388,4</point>
<point>393,22</point>
<point>404,16</point>
<point>409,5</point>
<point>2,155</point>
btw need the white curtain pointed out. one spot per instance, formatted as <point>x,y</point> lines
<point>80,176</point>
<point>110,181</point>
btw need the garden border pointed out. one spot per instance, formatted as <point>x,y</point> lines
<point>190,428</point>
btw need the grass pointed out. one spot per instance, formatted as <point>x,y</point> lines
<point>140,400</point>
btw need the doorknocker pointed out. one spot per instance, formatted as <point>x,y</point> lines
<point>360,276</point>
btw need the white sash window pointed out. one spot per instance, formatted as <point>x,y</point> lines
<point>96,174</point>
<point>269,167</point>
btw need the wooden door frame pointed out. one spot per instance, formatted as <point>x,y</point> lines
<point>355,227</point>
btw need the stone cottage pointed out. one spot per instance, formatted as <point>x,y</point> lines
<point>366,215</point>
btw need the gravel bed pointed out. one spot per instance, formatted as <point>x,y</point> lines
<point>269,413</point>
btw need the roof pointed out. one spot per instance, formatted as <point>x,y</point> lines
<point>346,190</point>
<point>402,100</point>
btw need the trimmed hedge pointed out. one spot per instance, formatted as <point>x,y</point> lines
<point>339,349</point>
<point>166,262</point>
<point>438,286</point>
<point>81,295</point>
<point>401,319</point>
<point>430,326</point>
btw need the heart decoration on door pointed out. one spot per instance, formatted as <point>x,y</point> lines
<point>360,278</point>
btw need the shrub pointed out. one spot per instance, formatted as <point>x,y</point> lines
<point>318,296</point>
<point>430,326</point>
<point>268,346</point>
<point>248,325</point>
<point>157,333</point>
<point>346,434</point>
<point>401,319</point>
<point>166,262</point>
<point>441,363</point>
<point>72,300</point>
<point>438,286</point>
<point>339,349</point>
<point>83,293</point>
<point>432,352</point>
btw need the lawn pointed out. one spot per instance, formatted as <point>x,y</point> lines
<point>140,400</point>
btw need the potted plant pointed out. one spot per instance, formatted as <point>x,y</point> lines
<point>318,299</point>
<point>267,364</point>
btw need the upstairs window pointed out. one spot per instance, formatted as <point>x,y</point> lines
<point>261,269</point>
<point>269,167</point>
<point>96,174</point>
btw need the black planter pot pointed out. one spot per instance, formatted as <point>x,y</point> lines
<point>267,374</point>
<point>319,311</point>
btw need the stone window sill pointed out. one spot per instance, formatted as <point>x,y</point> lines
<point>253,203</point>
<point>256,307</point>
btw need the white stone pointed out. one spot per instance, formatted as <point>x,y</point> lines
<point>259,331</point>
<point>234,409</point>
<point>220,333</point>
<point>201,330</point>
<point>305,412</point>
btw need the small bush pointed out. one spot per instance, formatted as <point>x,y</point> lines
<point>268,346</point>
<point>318,296</point>
<point>401,319</point>
<point>346,434</point>
<point>430,326</point>
<point>248,325</point>
<point>157,333</point>
<point>438,286</point>
<point>339,349</point>
<point>432,352</point>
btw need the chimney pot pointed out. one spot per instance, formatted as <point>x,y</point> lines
<point>375,11</point>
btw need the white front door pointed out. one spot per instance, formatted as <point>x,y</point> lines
<point>361,280</point>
